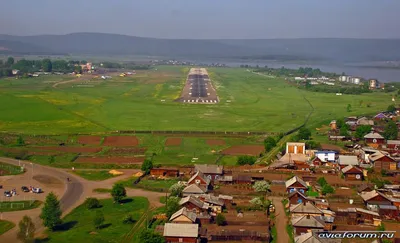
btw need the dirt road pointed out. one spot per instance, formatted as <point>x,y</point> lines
<point>281,220</point>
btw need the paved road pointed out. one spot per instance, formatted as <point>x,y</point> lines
<point>72,194</point>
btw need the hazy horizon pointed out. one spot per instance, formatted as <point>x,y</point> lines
<point>223,19</point>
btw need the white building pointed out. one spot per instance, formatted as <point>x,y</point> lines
<point>326,156</point>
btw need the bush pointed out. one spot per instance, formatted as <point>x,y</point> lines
<point>128,219</point>
<point>98,220</point>
<point>246,160</point>
<point>269,143</point>
<point>92,202</point>
<point>304,133</point>
<point>322,182</point>
<point>147,166</point>
<point>327,189</point>
<point>220,220</point>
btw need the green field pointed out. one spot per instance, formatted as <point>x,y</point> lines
<point>249,102</point>
<point>5,226</point>
<point>94,175</point>
<point>19,205</point>
<point>8,169</point>
<point>78,225</point>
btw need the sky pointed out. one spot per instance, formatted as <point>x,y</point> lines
<point>205,19</point>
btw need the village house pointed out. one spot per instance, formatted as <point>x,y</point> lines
<point>183,216</point>
<point>351,172</point>
<point>346,160</point>
<point>333,125</point>
<point>194,204</point>
<point>356,216</point>
<point>374,139</point>
<point>312,237</point>
<point>164,171</point>
<point>305,208</point>
<point>296,197</point>
<point>326,156</point>
<point>393,145</point>
<point>382,161</point>
<point>194,189</point>
<point>199,179</point>
<point>296,184</point>
<point>389,212</point>
<point>363,121</point>
<point>188,233</point>
<point>381,116</point>
<point>307,223</point>
<point>365,188</point>
<point>214,203</point>
<point>375,198</point>
<point>242,179</point>
<point>368,217</point>
<point>212,172</point>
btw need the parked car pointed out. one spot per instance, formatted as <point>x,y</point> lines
<point>7,193</point>
<point>37,190</point>
<point>25,189</point>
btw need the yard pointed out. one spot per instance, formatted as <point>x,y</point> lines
<point>78,225</point>
<point>149,184</point>
<point>5,226</point>
<point>94,175</point>
<point>18,205</point>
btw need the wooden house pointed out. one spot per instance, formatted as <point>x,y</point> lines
<point>199,179</point>
<point>367,217</point>
<point>187,233</point>
<point>194,189</point>
<point>389,212</point>
<point>242,179</point>
<point>295,183</point>
<point>212,172</point>
<point>365,188</point>
<point>346,160</point>
<point>164,171</point>
<point>374,139</point>
<point>194,204</point>
<point>215,204</point>
<point>393,145</point>
<point>296,197</point>
<point>352,173</point>
<point>383,161</point>
<point>305,224</point>
<point>375,198</point>
<point>183,216</point>
<point>305,208</point>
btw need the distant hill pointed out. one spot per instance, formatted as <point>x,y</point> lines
<point>343,50</point>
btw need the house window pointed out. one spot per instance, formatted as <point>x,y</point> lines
<point>180,239</point>
<point>197,181</point>
<point>374,140</point>
<point>299,200</point>
<point>291,190</point>
<point>301,190</point>
<point>209,177</point>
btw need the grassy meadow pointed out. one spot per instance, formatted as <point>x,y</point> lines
<point>79,223</point>
<point>5,226</point>
<point>87,104</point>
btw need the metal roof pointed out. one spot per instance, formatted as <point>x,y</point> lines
<point>184,211</point>
<point>293,180</point>
<point>305,208</point>
<point>348,160</point>
<point>308,221</point>
<point>374,135</point>
<point>210,169</point>
<point>195,189</point>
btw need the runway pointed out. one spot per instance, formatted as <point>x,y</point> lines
<point>198,88</point>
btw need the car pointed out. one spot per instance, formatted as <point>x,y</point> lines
<point>25,189</point>
<point>37,190</point>
<point>7,194</point>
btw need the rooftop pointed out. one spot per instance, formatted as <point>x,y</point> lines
<point>209,169</point>
<point>293,180</point>
<point>184,211</point>
<point>305,208</point>
<point>349,167</point>
<point>366,196</point>
<point>348,160</point>
<point>373,135</point>
<point>308,221</point>
<point>197,202</point>
<point>198,173</point>
<point>378,155</point>
<point>181,230</point>
<point>195,189</point>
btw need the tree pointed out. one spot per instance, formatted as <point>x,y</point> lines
<point>51,212</point>
<point>326,189</point>
<point>92,202</point>
<point>176,189</point>
<point>147,166</point>
<point>261,186</point>
<point>10,62</point>
<point>304,133</point>
<point>362,130</point>
<point>344,130</point>
<point>98,219</point>
<point>269,143</point>
<point>128,219</point>
<point>52,159</point>
<point>246,160</point>
<point>149,236</point>
<point>77,69</point>
<point>340,123</point>
<point>348,108</point>
<point>26,230</point>
<point>20,141</point>
<point>322,181</point>
<point>172,206</point>
<point>220,219</point>
<point>313,145</point>
<point>47,65</point>
<point>391,131</point>
<point>118,192</point>
<point>391,108</point>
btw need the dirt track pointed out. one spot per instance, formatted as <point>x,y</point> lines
<point>281,220</point>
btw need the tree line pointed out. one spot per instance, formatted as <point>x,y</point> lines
<point>287,72</point>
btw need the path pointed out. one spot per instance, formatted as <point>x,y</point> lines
<point>280,220</point>
<point>69,81</point>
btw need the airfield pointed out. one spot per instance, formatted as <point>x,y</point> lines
<point>199,88</point>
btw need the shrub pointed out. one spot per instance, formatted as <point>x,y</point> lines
<point>220,220</point>
<point>128,219</point>
<point>92,202</point>
<point>246,160</point>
